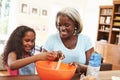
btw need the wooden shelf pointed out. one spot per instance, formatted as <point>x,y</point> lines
<point>108,35</point>
<point>105,20</point>
<point>115,22</point>
<point>103,31</point>
<point>117,13</point>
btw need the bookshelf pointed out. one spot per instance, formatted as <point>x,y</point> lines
<point>104,24</point>
<point>115,31</point>
<point>108,34</point>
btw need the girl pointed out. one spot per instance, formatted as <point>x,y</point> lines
<point>18,54</point>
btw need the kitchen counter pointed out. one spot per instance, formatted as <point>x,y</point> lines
<point>103,75</point>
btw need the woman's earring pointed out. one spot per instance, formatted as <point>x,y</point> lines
<point>75,31</point>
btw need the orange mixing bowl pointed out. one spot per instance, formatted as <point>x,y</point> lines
<point>47,70</point>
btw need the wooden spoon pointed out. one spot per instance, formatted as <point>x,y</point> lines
<point>58,64</point>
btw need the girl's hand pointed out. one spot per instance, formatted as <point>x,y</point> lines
<point>52,56</point>
<point>46,56</point>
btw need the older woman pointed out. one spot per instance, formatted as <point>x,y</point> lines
<point>75,46</point>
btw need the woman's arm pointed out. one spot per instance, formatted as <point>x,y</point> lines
<point>88,54</point>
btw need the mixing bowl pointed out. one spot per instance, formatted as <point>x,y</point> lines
<point>47,70</point>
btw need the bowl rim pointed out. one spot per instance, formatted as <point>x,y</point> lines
<point>54,69</point>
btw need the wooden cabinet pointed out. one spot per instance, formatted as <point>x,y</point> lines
<point>102,48</point>
<point>104,24</point>
<point>113,56</point>
<point>104,30</point>
<point>109,24</point>
<point>110,53</point>
<point>108,34</point>
<point>115,31</point>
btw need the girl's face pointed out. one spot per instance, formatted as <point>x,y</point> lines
<point>65,26</point>
<point>28,41</point>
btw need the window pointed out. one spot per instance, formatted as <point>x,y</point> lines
<point>4,13</point>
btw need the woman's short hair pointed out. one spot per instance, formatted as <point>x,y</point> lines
<point>74,15</point>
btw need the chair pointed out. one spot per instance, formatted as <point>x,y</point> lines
<point>105,66</point>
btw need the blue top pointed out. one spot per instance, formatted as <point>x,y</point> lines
<point>28,69</point>
<point>71,55</point>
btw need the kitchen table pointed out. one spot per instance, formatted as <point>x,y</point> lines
<point>103,75</point>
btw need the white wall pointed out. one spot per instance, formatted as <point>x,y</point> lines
<point>18,18</point>
<point>89,10</point>
<point>91,17</point>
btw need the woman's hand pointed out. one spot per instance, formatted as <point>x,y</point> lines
<point>80,68</point>
<point>60,55</point>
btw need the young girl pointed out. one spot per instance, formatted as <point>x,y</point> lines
<point>18,54</point>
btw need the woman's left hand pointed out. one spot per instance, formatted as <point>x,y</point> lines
<point>80,68</point>
<point>59,54</point>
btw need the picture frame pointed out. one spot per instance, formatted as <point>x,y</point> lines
<point>34,11</point>
<point>44,12</point>
<point>24,8</point>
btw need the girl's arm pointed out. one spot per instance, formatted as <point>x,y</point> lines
<point>13,63</point>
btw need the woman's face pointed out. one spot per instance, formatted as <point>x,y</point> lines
<point>28,41</point>
<point>65,26</point>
